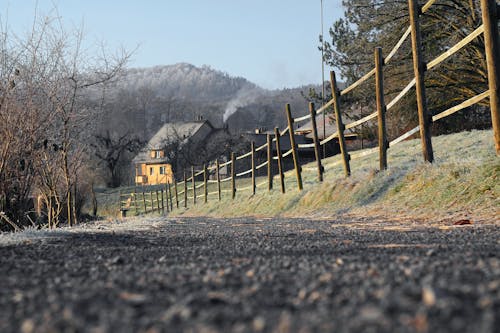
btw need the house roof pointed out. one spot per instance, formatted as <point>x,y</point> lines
<point>170,132</point>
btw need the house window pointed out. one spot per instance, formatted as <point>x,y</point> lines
<point>158,154</point>
<point>162,170</point>
<point>151,171</point>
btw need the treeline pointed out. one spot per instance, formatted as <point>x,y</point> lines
<point>47,123</point>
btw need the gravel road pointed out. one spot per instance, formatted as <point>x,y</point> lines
<point>242,275</point>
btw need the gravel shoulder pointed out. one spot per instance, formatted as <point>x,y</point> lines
<point>249,274</point>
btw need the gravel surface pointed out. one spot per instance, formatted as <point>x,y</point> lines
<point>241,275</point>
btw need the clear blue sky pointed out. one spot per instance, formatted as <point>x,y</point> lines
<point>272,43</point>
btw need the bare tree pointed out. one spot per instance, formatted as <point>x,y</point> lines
<point>44,117</point>
<point>110,150</point>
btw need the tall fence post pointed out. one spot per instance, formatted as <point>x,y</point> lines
<point>381,109</point>
<point>176,194</point>
<point>219,192</point>
<point>340,124</point>
<point>185,190</point>
<point>419,68</point>
<point>280,162</point>
<point>490,14</point>
<point>252,147</point>
<point>295,153</point>
<point>158,201</point>
<point>316,141</point>
<point>269,163</point>
<point>205,182</point>
<point>193,181</point>
<point>233,175</point>
<point>152,200</point>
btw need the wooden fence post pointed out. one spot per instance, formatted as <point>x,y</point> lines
<point>170,196</point>
<point>163,202</point>
<point>340,124</point>
<point>295,153</point>
<point>194,184</point>
<point>280,162</point>
<point>233,175</point>
<point>419,68</point>
<point>316,142</point>
<point>381,109</point>
<point>176,194</point>
<point>269,163</point>
<point>252,147</point>
<point>158,201</point>
<point>119,203</point>
<point>219,192</point>
<point>144,201</point>
<point>490,14</point>
<point>205,182</point>
<point>135,202</point>
<point>185,191</point>
<point>152,200</point>
<point>166,196</point>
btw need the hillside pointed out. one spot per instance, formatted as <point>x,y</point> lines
<point>462,183</point>
<point>145,98</point>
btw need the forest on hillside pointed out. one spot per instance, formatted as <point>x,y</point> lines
<point>143,99</point>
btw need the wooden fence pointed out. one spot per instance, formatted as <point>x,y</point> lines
<point>189,190</point>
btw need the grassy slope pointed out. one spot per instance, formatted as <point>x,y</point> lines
<point>463,181</point>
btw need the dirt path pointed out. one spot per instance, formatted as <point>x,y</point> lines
<point>204,275</point>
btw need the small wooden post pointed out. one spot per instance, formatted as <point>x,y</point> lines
<point>144,201</point>
<point>252,147</point>
<point>194,184</point>
<point>170,196</point>
<point>163,202</point>
<point>152,200</point>
<point>185,191</point>
<point>158,201</point>
<point>316,142</point>
<point>278,153</point>
<point>205,182</point>
<point>340,124</point>
<point>269,163</point>
<point>490,14</point>
<point>176,194</point>
<point>295,153</point>
<point>381,109</point>
<point>166,195</point>
<point>136,209</point>
<point>219,192</point>
<point>419,68</point>
<point>233,175</point>
<point>119,202</point>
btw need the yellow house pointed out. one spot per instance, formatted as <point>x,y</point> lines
<point>155,171</point>
<point>152,165</point>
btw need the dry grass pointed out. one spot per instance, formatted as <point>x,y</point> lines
<point>462,182</point>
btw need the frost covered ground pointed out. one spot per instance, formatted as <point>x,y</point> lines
<point>252,275</point>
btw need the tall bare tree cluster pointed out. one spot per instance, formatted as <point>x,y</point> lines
<point>46,121</point>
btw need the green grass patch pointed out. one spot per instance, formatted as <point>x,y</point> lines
<point>463,178</point>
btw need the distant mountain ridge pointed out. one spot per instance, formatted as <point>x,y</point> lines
<point>146,98</point>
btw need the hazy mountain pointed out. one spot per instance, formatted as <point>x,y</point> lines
<point>145,98</point>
